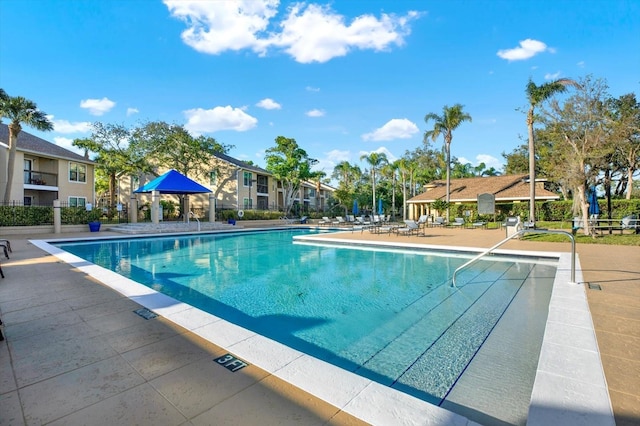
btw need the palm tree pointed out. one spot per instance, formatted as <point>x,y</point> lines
<point>391,170</point>
<point>19,111</point>
<point>445,124</point>
<point>375,160</point>
<point>536,95</point>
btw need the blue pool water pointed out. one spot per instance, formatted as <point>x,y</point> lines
<point>389,315</point>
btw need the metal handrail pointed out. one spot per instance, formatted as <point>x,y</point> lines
<point>522,232</point>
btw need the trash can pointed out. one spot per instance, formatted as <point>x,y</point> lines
<point>94,226</point>
<point>231,221</point>
<point>513,225</point>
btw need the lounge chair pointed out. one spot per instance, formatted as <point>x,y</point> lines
<point>6,246</point>
<point>422,220</point>
<point>410,228</point>
<point>439,221</point>
<point>324,221</point>
<point>458,221</point>
<point>287,220</point>
<point>631,222</point>
<point>339,221</point>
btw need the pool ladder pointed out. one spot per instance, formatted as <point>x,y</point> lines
<point>517,234</point>
<point>195,217</point>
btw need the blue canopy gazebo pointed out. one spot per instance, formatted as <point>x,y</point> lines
<point>172,182</point>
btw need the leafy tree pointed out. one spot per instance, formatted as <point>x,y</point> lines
<point>291,165</point>
<point>376,160</point>
<point>114,153</point>
<point>348,176</point>
<point>19,111</point>
<point>171,145</point>
<point>536,95</point>
<point>626,122</point>
<point>580,130</point>
<point>445,124</point>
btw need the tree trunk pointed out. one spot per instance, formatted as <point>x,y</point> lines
<point>14,131</point>
<point>532,167</point>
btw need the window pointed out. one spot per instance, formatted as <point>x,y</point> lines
<point>77,201</point>
<point>247,178</point>
<point>77,172</point>
<point>28,167</point>
<point>312,193</point>
<point>212,177</point>
<point>248,203</point>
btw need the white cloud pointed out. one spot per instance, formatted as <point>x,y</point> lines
<point>132,111</point>
<point>554,76</point>
<point>314,33</point>
<point>66,143</point>
<point>381,150</point>
<point>528,49</point>
<point>219,118</point>
<point>581,64</point>
<point>312,89</point>
<point>397,128</point>
<point>337,155</point>
<point>64,126</point>
<point>97,106</point>
<point>268,103</point>
<point>315,113</point>
<point>308,32</point>
<point>488,160</point>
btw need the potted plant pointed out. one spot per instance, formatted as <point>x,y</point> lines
<point>93,219</point>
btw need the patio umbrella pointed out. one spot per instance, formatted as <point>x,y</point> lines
<point>594,208</point>
<point>380,210</point>
<point>355,210</point>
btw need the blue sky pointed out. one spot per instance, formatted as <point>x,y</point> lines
<point>343,78</point>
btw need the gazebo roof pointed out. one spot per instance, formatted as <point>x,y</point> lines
<point>173,182</point>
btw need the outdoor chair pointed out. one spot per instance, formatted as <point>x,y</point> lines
<point>324,221</point>
<point>6,246</point>
<point>439,221</point>
<point>422,220</point>
<point>458,221</point>
<point>631,222</point>
<point>410,228</point>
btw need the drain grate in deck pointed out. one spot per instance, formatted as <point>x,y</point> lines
<point>146,313</point>
<point>594,286</point>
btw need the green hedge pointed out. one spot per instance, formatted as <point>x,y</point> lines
<point>548,211</point>
<point>39,215</point>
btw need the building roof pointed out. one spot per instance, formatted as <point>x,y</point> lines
<point>35,145</point>
<point>504,188</point>
<point>241,164</point>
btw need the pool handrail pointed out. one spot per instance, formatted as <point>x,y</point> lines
<point>517,234</point>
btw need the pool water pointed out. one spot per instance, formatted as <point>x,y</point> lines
<point>386,314</point>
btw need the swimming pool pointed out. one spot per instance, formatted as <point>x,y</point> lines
<point>387,314</point>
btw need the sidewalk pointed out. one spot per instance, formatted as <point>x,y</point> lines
<point>75,351</point>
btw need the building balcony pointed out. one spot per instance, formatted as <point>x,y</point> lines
<point>34,178</point>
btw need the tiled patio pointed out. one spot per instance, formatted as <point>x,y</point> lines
<point>76,353</point>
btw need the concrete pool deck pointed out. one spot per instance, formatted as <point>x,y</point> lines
<point>74,350</point>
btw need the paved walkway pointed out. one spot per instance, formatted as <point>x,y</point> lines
<point>75,353</point>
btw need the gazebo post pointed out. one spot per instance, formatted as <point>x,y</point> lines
<point>155,206</point>
<point>133,209</point>
<point>212,207</point>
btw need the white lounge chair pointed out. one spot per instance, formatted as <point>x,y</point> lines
<point>324,221</point>
<point>458,221</point>
<point>410,228</point>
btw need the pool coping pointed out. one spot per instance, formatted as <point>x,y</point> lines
<point>569,388</point>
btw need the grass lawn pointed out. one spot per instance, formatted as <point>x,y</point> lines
<point>627,238</point>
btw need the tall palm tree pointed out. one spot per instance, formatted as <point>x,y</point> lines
<point>391,170</point>
<point>375,160</point>
<point>536,95</point>
<point>445,124</point>
<point>19,111</point>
